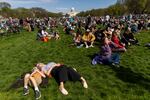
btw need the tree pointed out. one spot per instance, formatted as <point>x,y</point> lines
<point>137,7</point>
<point>4,5</point>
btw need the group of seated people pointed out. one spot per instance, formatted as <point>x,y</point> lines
<point>60,72</point>
<point>113,42</point>
<point>44,36</point>
<point>120,41</point>
<point>87,39</point>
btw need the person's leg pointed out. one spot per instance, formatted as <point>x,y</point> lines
<point>86,44</point>
<point>84,83</point>
<point>26,81</point>
<point>119,49</point>
<point>62,89</point>
<point>115,58</point>
<point>97,59</point>
<point>35,85</point>
<point>92,42</point>
<point>62,77</point>
<point>74,76</point>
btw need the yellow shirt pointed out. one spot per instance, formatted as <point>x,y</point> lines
<point>90,37</point>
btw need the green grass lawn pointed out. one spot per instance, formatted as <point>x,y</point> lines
<point>19,52</point>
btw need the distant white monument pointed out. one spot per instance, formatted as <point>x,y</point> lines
<point>72,12</point>
<point>121,1</point>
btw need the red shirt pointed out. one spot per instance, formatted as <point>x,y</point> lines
<point>116,40</point>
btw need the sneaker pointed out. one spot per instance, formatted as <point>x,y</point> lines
<point>81,45</point>
<point>37,94</point>
<point>78,46</point>
<point>94,62</point>
<point>116,65</point>
<point>87,47</point>
<point>91,46</point>
<point>25,91</point>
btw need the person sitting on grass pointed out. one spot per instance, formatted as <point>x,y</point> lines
<point>54,33</point>
<point>88,39</point>
<point>43,35</point>
<point>119,47</point>
<point>78,40</point>
<point>62,73</point>
<point>106,56</point>
<point>128,38</point>
<point>33,79</point>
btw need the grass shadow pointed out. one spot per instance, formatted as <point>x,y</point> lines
<point>19,82</point>
<point>127,75</point>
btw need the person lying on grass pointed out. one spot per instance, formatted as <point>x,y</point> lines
<point>61,73</point>
<point>33,79</point>
<point>106,56</point>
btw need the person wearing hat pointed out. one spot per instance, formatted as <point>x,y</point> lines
<point>88,39</point>
<point>62,73</point>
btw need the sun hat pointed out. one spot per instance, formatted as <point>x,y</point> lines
<point>87,30</point>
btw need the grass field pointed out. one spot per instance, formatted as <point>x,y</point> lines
<point>19,52</point>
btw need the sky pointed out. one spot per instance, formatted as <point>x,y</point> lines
<point>61,5</point>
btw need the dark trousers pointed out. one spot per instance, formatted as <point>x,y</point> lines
<point>64,73</point>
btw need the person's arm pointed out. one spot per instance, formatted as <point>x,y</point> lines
<point>43,34</point>
<point>37,71</point>
<point>93,37</point>
<point>84,38</point>
<point>49,71</point>
<point>41,73</point>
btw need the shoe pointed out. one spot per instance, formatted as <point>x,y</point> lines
<point>94,62</point>
<point>63,91</point>
<point>91,46</point>
<point>115,65</point>
<point>78,46</point>
<point>37,94</point>
<point>81,45</point>
<point>87,47</point>
<point>25,91</point>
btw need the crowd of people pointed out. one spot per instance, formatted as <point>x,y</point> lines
<point>112,34</point>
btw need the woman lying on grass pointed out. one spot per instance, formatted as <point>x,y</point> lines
<point>61,73</point>
<point>33,79</point>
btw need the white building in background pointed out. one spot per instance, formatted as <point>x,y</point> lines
<point>121,1</point>
<point>72,12</point>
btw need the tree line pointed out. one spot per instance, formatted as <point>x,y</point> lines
<point>7,11</point>
<point>118,9</point>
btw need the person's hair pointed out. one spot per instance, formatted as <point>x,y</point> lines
<point>103,40</point>
<point>40,65</point>
<point>114,33</point>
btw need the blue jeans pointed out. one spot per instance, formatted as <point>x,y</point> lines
<point>115,58</point>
